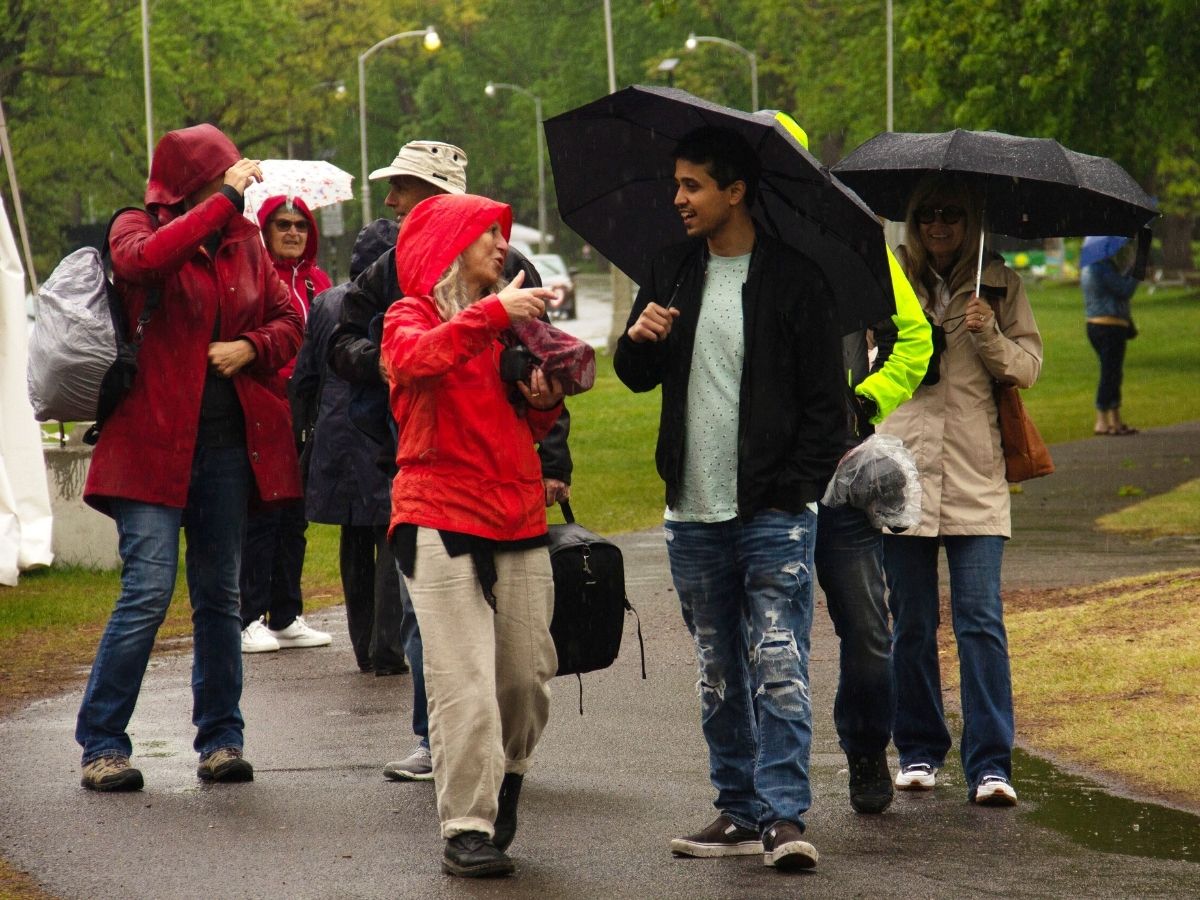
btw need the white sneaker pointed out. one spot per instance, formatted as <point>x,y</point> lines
<point>994,790</point>
<point>256,638</point>
<point>917,777</point>
<point>417,766</point>
<point>299,634</point>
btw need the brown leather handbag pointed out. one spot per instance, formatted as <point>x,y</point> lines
<point>1025,453</point>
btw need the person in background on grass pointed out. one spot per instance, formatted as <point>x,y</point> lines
<point>469,520</point>
<point>203,433</point>
<point>738,330</point>
<point>273,558</point>
<point>421,169</point>
<point>344,484</point>
<point>951,426</point>
<point>1108,288</point>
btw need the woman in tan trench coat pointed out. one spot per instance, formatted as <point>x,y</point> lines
<point>951,427</point>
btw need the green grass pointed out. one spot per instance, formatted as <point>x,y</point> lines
<point>1172,514</point>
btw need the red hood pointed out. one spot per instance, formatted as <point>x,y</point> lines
<point>186,160</point>
<point>436,231</point>
<point>273,203</point>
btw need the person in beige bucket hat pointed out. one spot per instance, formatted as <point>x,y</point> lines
<point>420,170</point>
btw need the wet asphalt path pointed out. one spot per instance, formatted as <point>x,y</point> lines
<point>609,788</point>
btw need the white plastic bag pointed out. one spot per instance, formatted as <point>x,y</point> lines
<point>73,342</point>
<point>880,477</point>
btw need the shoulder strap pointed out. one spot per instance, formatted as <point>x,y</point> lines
<point>116,301</point>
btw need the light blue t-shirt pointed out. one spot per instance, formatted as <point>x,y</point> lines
<point>708,492</point>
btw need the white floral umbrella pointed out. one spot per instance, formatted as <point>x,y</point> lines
<point>317,182</point>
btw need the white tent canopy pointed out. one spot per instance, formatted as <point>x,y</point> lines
<point>25,522</point>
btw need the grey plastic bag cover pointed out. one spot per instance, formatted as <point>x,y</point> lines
<point>73,342</point>
<point>880,477</point>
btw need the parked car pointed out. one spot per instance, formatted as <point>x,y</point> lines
<point>560,279</point>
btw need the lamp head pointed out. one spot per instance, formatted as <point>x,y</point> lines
<point>490,89</point>
<point>432,41</point>
<point>691,41</point>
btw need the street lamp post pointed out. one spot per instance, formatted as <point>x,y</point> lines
<point>146,83</point>
<point>432,42</point>
<point>694,39</point>
<point>490,90</point>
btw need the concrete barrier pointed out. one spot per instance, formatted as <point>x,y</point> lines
<point>82,536</point>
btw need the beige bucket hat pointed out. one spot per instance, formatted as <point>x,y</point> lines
<point>442,165</point>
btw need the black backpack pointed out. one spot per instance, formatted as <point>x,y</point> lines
<point>589,600</point>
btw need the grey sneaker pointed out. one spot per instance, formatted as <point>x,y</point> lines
<point>111,773</point>
<point>784,850</point>
<point>722,837</point>
<point>225,764</point>
<point>417,766</point>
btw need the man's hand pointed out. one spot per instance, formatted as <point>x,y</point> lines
<point>227,358</point>
<point>523,304</point>
<point>242,174</point>
<point>556,491</point>
<point>654,324</point>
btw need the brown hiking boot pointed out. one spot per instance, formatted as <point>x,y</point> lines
<point>225,765</point>
<point>722,837</point>
<point>784,849</point>
<point>111,773</point>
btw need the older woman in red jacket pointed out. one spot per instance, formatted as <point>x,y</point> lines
<point>204,430</point>
<point>469,518</point>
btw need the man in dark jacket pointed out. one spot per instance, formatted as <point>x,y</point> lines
<point>739,331</point>
<point>420,170</point>
<point>344,484</point>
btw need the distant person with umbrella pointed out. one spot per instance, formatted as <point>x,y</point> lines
<point>273,555</point>
<point>951,428</point>
<point>739,331</point>
<point>1108,288</point>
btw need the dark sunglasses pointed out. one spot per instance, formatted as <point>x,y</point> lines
<point>282,225</point>
<point>951,215</point>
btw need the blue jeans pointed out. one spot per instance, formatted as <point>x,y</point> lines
<point>214,522</point>
<point>849,558</point>
<point>746,594</point>
<point>410,634</point>
<point>978,616</point>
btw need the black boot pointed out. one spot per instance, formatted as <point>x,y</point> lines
<point>506,816</point>
<point>870,782</point>
<point>472,855</point>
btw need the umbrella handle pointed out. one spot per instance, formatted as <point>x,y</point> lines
<point>979,263</point>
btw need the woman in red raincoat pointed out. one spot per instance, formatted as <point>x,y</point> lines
<point>204,430</point>
<point>469,517</point>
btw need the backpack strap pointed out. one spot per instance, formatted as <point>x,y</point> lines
<point>116,302</point>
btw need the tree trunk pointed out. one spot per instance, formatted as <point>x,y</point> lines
<point>1176,237</point>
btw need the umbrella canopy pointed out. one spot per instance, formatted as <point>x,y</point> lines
<point>615,181</point>
<point>1096,248</point>
<point>317,182</point>
<point>1031,187</point>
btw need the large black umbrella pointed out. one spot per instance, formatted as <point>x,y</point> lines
<point>1031,187</point>
<point>614,178</point>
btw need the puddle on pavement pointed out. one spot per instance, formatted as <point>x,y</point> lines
<point>1085,813</point>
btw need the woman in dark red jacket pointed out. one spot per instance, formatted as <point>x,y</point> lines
<point>204,430</point>
<point>469,516</point>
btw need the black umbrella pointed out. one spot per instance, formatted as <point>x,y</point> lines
<point>614,178</point>
<point>1031,187</point>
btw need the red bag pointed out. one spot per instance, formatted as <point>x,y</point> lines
<point>563,357</point>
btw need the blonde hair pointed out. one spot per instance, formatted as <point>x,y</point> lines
<point>919,266</point>
<point>452,295</point>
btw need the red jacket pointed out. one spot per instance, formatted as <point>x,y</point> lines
<point>145,450</point>
<point>303,276</point>
<point>466,456</point>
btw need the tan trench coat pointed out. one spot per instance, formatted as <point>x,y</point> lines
<point>951,427</point>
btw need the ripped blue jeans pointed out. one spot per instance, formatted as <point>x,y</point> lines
<point>746,592</point>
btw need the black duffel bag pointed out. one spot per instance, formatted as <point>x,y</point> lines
<point>589,599</point>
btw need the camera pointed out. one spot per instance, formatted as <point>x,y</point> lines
<point>516,364</point>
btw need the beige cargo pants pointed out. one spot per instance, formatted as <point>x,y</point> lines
<point>487,674</point>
